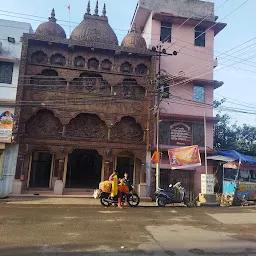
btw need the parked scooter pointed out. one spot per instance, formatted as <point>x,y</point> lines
<point>175,194</point>
<point>131,198</point>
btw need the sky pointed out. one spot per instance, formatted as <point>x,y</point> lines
<point>239,79</point>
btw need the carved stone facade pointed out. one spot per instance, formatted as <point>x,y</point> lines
<point>74,97</point>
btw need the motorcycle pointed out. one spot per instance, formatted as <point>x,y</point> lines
<point>175,194</point>
<point>131,198</point>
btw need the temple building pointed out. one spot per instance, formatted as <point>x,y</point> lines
<point>83,107</point>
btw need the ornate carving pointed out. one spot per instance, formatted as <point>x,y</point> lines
<point>127,130</point>
<point>141,69</point>
<point>93,64</point>
<point>48,80</point>
<point>88,84</point>
<point>39,57</point>
<point>108,152</point>
<point>58,59</point>
<point>130,90</point>
<point>88,126</point>
<point>44,124</point>
<point>126,67</point>
<point>79,62</point>
<point>106,65</point>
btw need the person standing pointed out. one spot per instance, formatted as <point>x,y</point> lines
<point>113,179</point>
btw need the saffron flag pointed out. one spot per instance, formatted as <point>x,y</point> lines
<point>69,7</point>
<point>184,157</point>
<point>155,157</point>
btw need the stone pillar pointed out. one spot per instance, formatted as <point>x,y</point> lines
<point>17,183</point>
<point>59,186</point>
<point>143,185</point>
<point>137,172</point>
<point>143,173</point>
<point>108,168</point>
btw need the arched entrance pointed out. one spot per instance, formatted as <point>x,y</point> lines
<point>84,169</point>
<point>125,164</point>
<point>40,173</point>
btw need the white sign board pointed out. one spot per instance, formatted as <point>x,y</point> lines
<point>207,184</point>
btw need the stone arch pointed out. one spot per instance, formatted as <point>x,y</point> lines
<point>58,59</point>
<point>128,130</point>
<point>48,77</point>
<point>126,67</point>
<point>87,126</point>
<point>106,65</point>
<point>44,124</point>
<point>129,89</point>
<point>39,57</point>
<point>79,62</point>
<point>88,82</point>
<point>141,69</point>
<point>93,64</point>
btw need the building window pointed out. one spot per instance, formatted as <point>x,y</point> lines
<point>6,70</point>
<point>198,134</point>
<point>199,93</point>
<point>166,32</point>
<point>200,36</point>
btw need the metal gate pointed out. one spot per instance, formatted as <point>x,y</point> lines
<point>168,176</point>
<point>186,177</point>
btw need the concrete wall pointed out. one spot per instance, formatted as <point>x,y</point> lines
<point>192,61</point>
<point>183,8</point>
<point>175,105</point>
<point>147,32</point>
<point>11,52</point>
<point>9,167</point>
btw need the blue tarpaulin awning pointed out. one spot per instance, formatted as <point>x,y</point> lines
<point>232,155</point>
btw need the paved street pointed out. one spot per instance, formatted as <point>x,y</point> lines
<point>94,230</point>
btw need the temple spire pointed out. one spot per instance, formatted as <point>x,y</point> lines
<point>104,11</point>
<point>52,18</point>
<point>97,8</point>
<point>89,8</point>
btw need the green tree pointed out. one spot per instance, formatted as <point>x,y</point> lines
<point>231,136</point>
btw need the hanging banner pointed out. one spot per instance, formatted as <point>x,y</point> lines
<point>184,157</point>
<point>181,134</point>
<point>6,124</point>
<point>155,157</point>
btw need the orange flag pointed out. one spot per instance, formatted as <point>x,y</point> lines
<point>155,157</point>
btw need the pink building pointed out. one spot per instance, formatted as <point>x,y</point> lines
<point>188,27</point>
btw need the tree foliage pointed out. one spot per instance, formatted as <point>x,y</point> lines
<point>232,136</point>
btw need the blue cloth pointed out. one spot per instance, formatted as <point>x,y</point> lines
<point>238,156</point>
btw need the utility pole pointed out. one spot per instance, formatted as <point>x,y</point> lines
<point>159,52</point>
<point>205,144</point>
<point>159,48</point>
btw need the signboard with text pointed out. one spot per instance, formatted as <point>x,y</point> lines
<point>6,124</point>
<point>181,134</point>
<point>207,184</point>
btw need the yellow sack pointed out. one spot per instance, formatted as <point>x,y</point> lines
<point>105,186</point>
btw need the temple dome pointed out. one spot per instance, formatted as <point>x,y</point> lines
<point>95,28</point>
<point>51,28</point>
<point>134,40</point>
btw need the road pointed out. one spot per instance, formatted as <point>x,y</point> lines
<point>93,230</point>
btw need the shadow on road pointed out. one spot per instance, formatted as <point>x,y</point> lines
<point>72,250</point>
